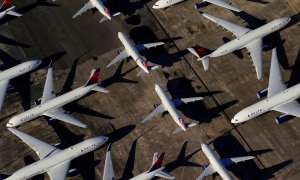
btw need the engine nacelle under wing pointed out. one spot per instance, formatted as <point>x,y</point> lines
<point>283,118</point>
<point>262,93</point>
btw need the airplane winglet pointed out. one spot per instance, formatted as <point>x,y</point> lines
<point>50,64</point>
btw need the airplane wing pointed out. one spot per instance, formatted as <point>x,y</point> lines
<point>223,3</point>
<point>276,84</point>
<point>237,30</point>
<point>13,13</point>
<point>120,57</point>
<point>290,108</point>
<point>207,171</point>
<point>86,7</point>
<point>108,173</point>
<point>141,47</point>
<point>61,115</point>
<point>59,172</point>
<point>3,88</point>
<point>41,148</point>
<point>159,109</point>
<point>48,92</point>
<point>229,161</point>
<point>255,50</point>
<point>179,101</point>
<point>164,174</point>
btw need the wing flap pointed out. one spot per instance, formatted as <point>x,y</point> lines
<point>141,47</point>
<point>276,84</point>
<point>224,4</point>
<point>41,148</point>
<point>61,115</point>
<point>237,30</point>
<point>255,50</point>
<point>85,8</point>
<point>157,110</point>
<point>229,161</point>
<point>290,108</point>
<point>60,171</point>
<point>179,101</point>
<point>120,57</point>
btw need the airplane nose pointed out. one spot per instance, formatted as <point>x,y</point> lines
<point>9,125</point>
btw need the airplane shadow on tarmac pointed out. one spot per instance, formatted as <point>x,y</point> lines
<point>228,146</point>
<point>12,42</point>
<point>157,55</point>
<point>129,166</point>
<point>86,164</point>
<point>119,77</point>
<point>182,160</point>
<point>27,8</point>
<point>182,87</point>
<point>295,75</point>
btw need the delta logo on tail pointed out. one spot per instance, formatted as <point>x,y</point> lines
<point>107,11</point>
<point>182,121</point>
<point>158,162</point>
<point>6,4</point>
<point>94,77</point>
<point>201,51</point>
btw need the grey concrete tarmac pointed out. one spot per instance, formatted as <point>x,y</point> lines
<point>78,45</point>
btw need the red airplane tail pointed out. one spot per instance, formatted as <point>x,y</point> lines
<point>6,4</point>
<point>95,73</point>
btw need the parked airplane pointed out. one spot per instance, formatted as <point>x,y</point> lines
<point>169,105</point>
<point>54,161</point>
<point>51,106</point>
<point>246,38</point>
<point>100,7</point>
<point>8,74</point>
<point>223,3</point>
<point>217,165</point>
<point>279,98</point>
<point>133,51</point>
<point>7,8</point>
<point>155,170</point>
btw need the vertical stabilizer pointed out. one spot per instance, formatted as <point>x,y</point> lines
<point>95,73</point>
<point>156,164</point>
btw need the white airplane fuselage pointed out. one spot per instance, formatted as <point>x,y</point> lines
<point>2,14</point>
<point>266,105</point>
<point>19,70</point>
<point>169,106</point>
<point>165,3</point>
<point>57,158</point>
<point>242,41</point>
<point>216,163</point>
<point>129,46</point>
<point>147,175</point>
<point>100,7</point>
<point>49,105</point>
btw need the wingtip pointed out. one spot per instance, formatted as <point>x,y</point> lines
<point>50,64</point>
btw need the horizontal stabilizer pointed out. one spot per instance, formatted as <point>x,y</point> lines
<point>164,174</point>
<point>14,13</point>
<point>187,125</point>
<point>151,68</point>
<point>100,89</point>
